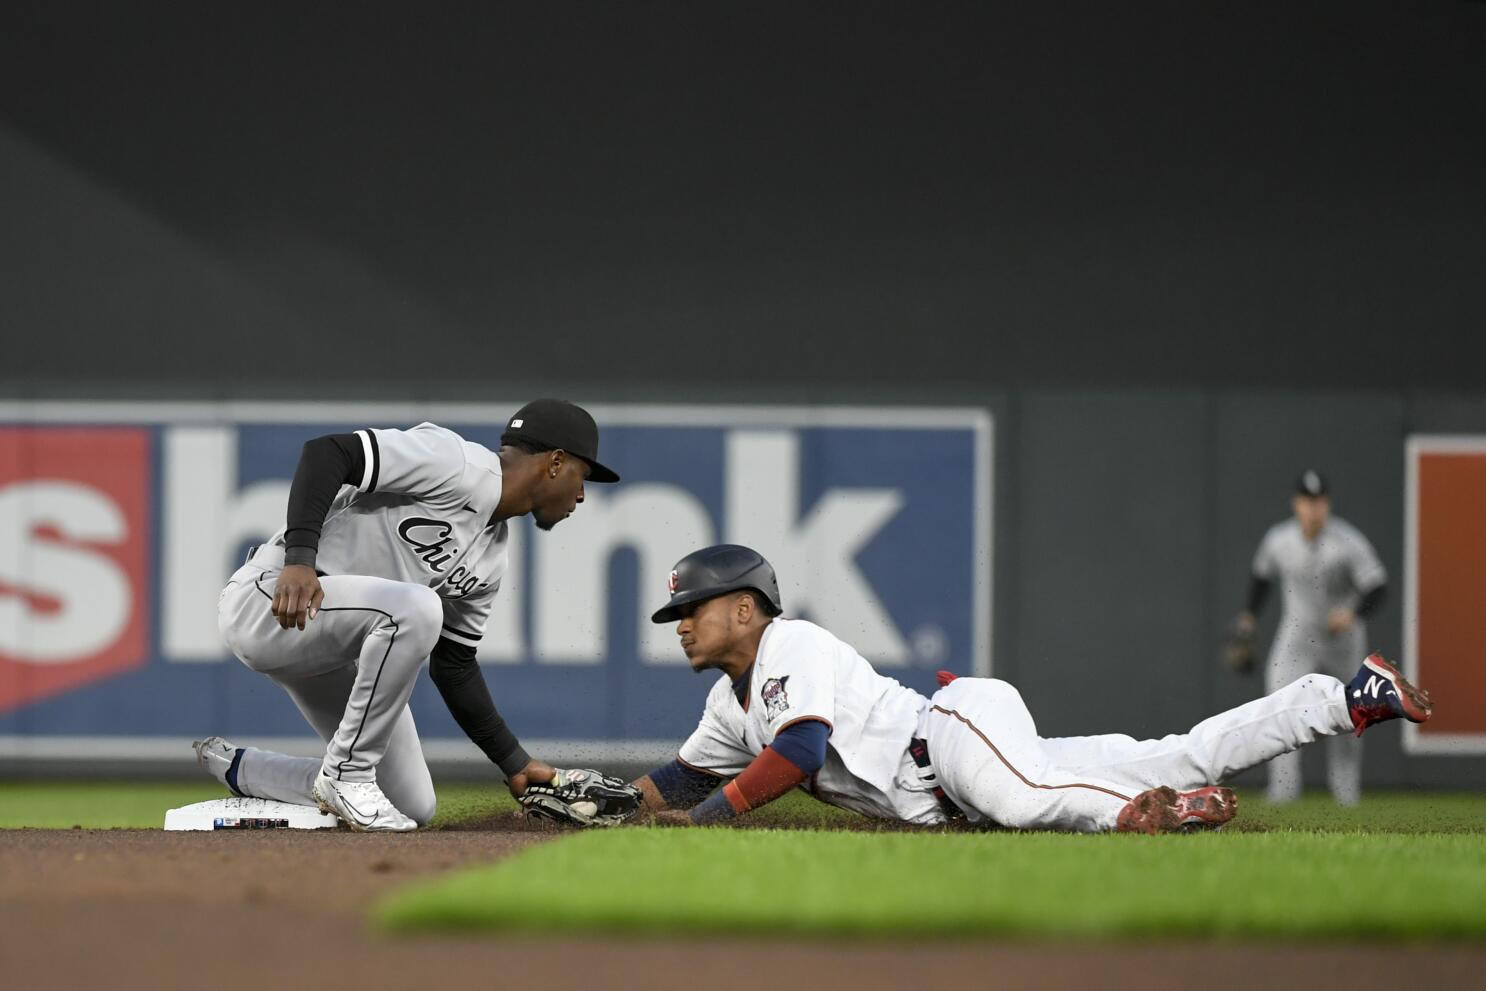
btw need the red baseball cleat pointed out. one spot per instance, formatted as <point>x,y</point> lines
<point>1166,810</point>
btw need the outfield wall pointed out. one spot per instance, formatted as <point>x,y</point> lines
<point>1087,545</point>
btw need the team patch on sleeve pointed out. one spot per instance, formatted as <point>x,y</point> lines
<point>776,700</point>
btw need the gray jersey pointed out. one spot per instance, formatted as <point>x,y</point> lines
<point>420,514</point>
<point>1316,576</point>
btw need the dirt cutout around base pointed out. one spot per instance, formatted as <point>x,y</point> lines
<point>277,910</point>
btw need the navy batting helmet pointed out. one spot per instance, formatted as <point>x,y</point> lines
<point>713,571</point>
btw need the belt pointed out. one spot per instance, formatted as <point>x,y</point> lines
<point>918,749</point>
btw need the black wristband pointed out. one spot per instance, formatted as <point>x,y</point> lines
<point>512,763</point>
<point>300,555</point>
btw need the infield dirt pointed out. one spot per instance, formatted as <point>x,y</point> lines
<point>145,909</point>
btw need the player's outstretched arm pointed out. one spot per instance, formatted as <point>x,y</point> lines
<point>675,787</point>
<point>796,753</point>
<point>650,795</point>
<point>457,675</point>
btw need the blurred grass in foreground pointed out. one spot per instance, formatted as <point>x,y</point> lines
<point>1281,884</point>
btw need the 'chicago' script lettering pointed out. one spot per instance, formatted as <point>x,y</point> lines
<point>430,538</point>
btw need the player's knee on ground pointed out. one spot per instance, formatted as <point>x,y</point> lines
<point>420,808</point>
<point>414,799</point>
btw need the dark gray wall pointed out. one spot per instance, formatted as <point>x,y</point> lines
<point>1179,251</point>
<point>1127,525</point>
<point>991,193</point>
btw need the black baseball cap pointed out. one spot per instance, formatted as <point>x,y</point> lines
<point>1312,483</point>
<point>558,424</point>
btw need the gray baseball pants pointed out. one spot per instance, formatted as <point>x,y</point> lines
<point>350,672</point>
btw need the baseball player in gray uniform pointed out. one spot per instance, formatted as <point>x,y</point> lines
<point>394,549</point>
<point>797,707</point>
<point>1331,581</point>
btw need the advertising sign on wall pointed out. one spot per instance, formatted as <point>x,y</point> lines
<point>119,524</point>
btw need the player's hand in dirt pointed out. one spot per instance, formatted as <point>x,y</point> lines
<point>536,772</point>
<point>1340,620</point>
<point>297,596</point>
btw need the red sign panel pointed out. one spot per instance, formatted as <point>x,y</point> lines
<point>74,559</point>
<point>1446,610</point>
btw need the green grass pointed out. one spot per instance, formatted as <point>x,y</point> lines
<point>142,805</point>
<point>720,881</point>
<point>96,805</point>
<point>1379,812</point>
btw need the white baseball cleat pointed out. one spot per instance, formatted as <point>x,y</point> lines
<point>220,759</point>
<point>360,805</point>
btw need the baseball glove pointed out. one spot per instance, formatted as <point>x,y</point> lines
<point>582,797</point>
<point>1238,650</point>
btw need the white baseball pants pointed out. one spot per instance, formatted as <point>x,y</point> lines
<point>990,761</point>
<point>350,671</point>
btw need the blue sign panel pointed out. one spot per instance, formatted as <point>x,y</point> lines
<point>877,520</point>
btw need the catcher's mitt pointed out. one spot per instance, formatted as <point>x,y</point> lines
<point>1238,650</point>
<point>582,797</point>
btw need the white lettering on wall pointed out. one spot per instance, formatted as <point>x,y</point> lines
<point>90,592</point>
<point>661,523</point>
<point>205,517</point>
<point>814,555</point>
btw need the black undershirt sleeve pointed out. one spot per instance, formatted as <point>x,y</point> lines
<point>1370,602</point>
<point>457,676</point>
<point>325,464</point>
<point>1258,592</point>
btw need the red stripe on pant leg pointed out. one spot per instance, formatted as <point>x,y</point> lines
<point>1020,776</point>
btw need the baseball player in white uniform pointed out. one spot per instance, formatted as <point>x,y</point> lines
<point>1331,580</point>
<point>796,706</point>
<point>394,549</point>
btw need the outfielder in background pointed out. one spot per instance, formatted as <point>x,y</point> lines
<point>1330,581</point>
<point>393,552</point>
<point>795,706</point>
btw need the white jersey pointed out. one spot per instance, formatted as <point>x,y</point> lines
<point>1316,576</point>
<point>421,514</point>
<point>803,672</point>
